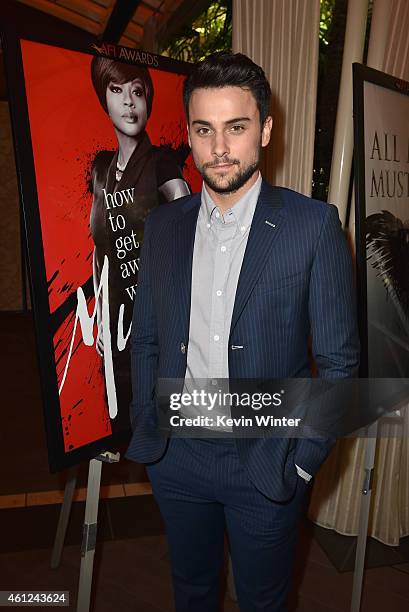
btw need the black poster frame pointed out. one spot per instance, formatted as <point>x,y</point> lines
<point>362,74</point>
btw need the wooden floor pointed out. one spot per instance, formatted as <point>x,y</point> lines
<point>131,569</point>
<point>132,572</point>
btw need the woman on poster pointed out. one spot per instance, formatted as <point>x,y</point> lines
<point>126,185</point>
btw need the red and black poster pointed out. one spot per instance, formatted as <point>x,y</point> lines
<point>100,141</point>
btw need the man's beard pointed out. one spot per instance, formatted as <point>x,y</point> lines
<point>235,182</point>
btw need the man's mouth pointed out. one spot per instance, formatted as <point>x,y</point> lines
<point>222,165</point>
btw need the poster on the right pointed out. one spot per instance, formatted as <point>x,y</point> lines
<point>381,159</point>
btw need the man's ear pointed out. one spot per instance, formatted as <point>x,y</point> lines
<point>266,131</point>
<point>188,135</point>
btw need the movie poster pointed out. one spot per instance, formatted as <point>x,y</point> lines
<point>109,144</point>
<point>383,211</point>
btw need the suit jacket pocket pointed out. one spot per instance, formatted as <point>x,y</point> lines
<point>275,284</point>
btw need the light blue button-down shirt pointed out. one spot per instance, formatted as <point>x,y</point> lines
<point>218,253</point>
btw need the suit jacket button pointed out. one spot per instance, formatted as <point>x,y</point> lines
<point>182,348</point>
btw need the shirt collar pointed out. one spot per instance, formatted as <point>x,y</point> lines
<point>242,212</point>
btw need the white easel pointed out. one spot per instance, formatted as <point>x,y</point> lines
<point>89,536</point>
<point>369,467</point>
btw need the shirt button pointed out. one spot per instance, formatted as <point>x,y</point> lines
<point>216,338</point>
<point>223,249</point>
<point>243,228</point>
<point>219,293</point>
<point>208,225</point>
<point>217,215</point>
<point>214,382</point>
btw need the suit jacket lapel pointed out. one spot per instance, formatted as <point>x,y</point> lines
<point>183,243</point>
<point>266,225</point>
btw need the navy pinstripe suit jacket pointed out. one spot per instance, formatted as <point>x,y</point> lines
<point>296,280</point>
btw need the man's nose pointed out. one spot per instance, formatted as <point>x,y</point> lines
<point>220,145</point>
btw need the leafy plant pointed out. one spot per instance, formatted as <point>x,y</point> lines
<point>210,32</point>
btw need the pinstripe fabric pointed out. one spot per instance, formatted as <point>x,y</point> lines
<point>296,279</point>
<point>202,488</point>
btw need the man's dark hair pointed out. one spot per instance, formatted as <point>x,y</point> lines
<point>105,70</point>
<point>229,69</point>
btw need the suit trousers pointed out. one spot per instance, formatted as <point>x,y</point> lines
<point>202,490</point>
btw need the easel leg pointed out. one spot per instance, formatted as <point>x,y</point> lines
<point>89,535</point>
<point>64,517</point>
<point>364,518</point>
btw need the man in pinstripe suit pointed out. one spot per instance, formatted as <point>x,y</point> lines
<point>232,283</point>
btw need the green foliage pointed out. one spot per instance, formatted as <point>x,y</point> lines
<point>321,170</point>
<point>210,32</point>
<point>326,11</point>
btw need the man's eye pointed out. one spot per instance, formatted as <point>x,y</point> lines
<point>237,128</point>
<point>203,131</point>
